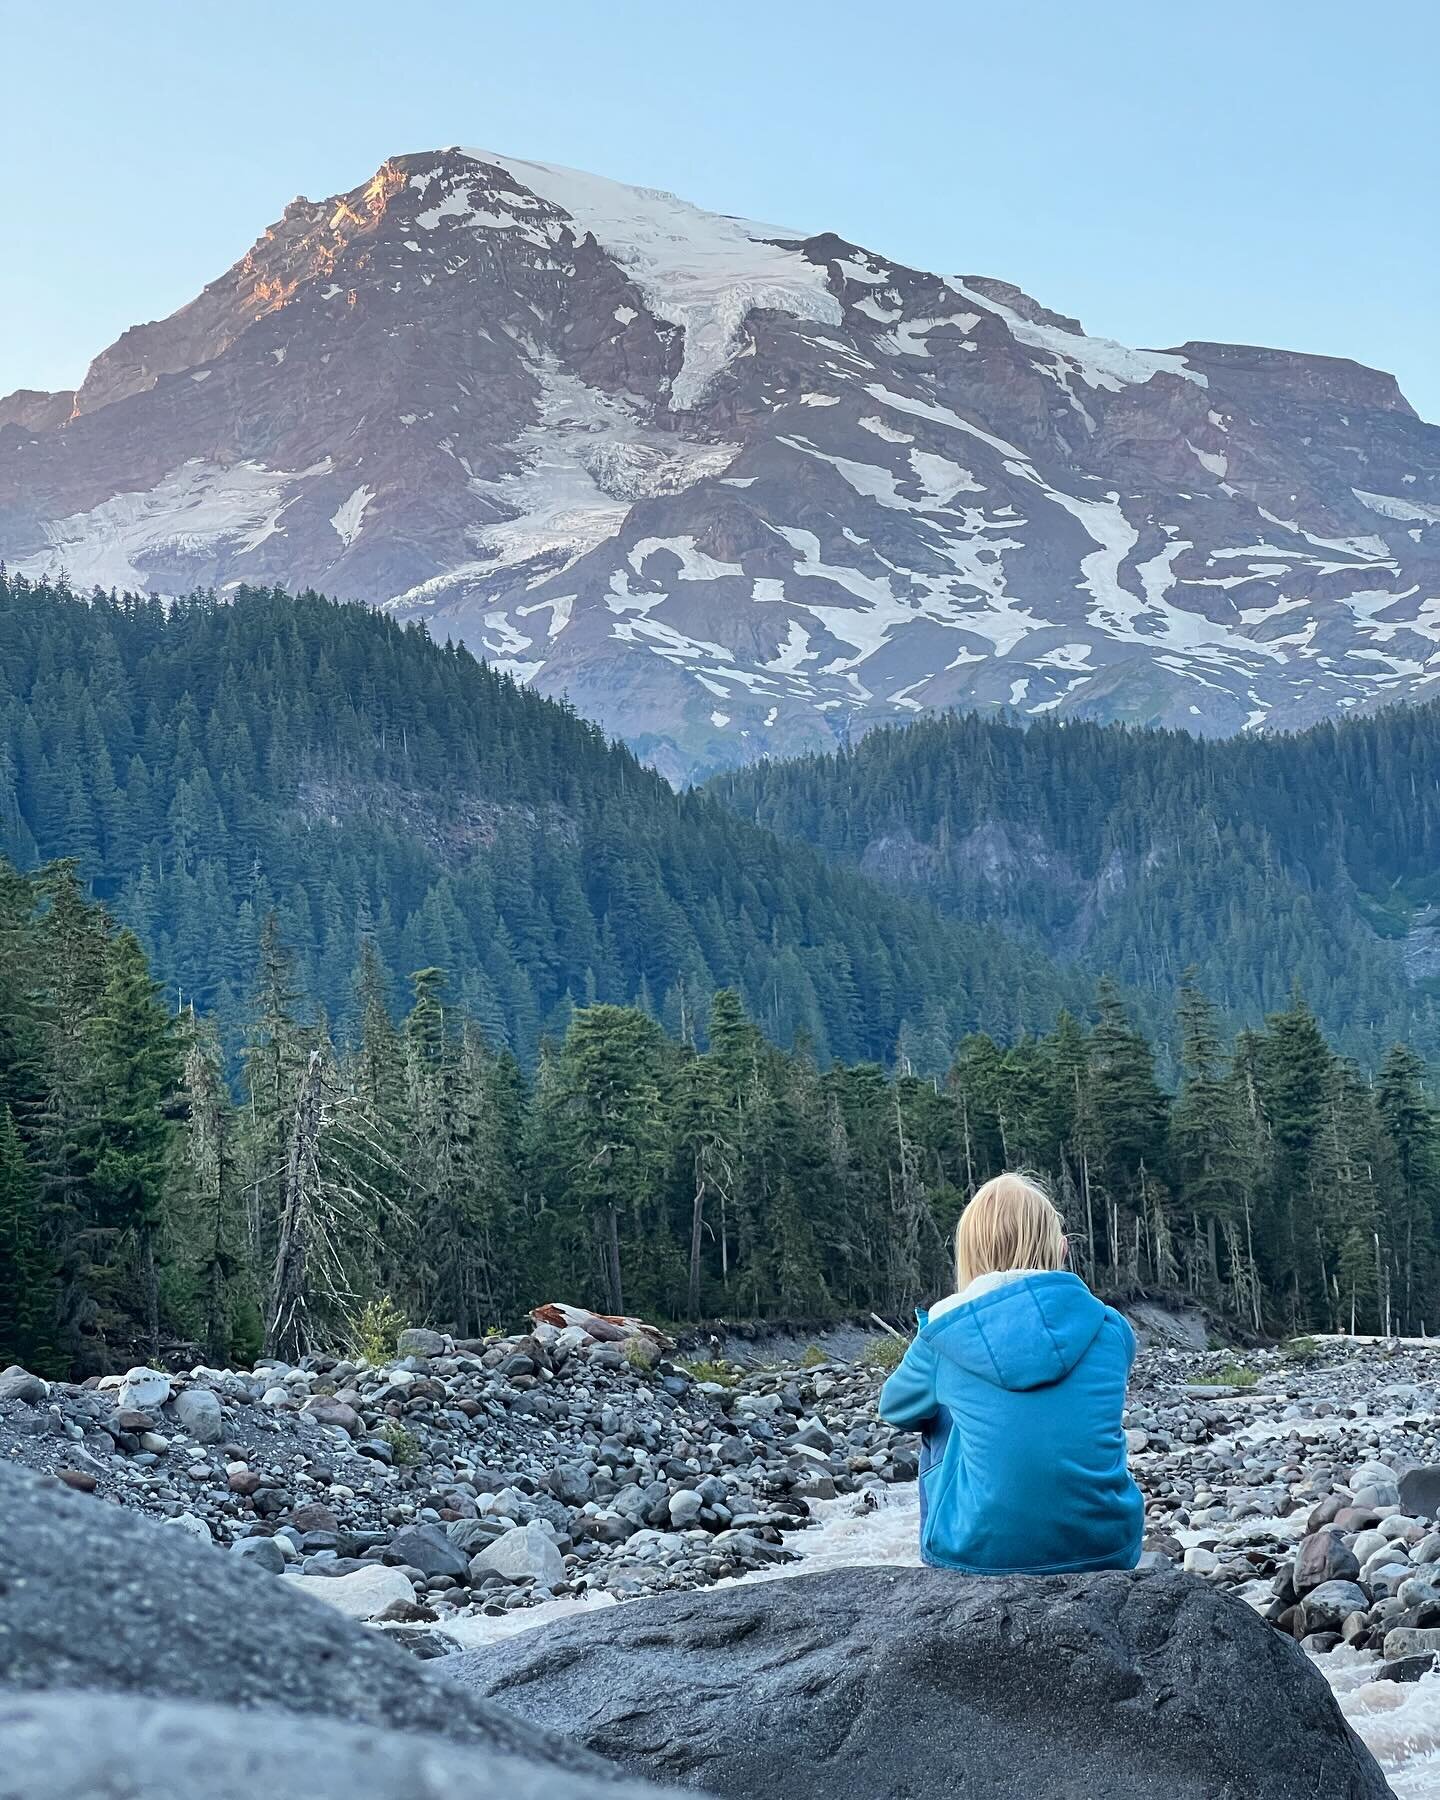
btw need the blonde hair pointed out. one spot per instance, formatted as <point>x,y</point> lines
<point>1010,1223</point>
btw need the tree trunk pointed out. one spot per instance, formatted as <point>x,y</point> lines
<point>697,1226</point>
<point>150,1288</point>
<point>287,1330</point>
<point>617,1292</point>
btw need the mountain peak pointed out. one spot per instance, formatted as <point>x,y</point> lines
<point>735,488</point>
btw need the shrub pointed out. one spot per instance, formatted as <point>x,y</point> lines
<point>720,1373</point>
<point>1232,1375</point>
<point>883,1353</point>
<point>640,1353</point>
<point>375,1328</point>
<point>813,1358</point>
<point>404,1445</point>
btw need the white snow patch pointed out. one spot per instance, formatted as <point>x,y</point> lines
<point>942,415</point>
<point>720,719</point>
<point>793,651</point>
<point>1389,507</point>
<point>1100,362</point>
<point>700,270</point>
<point>858,271</point>
<point>348,515</point>
<point>695,565</point>
<point>560,609</point>
<point>586,460</point>
<point>1210,459</point>
<point>877,427</point>
<point>197,510</point>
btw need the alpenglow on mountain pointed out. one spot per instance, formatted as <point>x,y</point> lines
<point>736,490</point>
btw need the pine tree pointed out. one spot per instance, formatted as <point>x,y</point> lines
<point>611,1091</point>
<point>137,1073</point>
<point>28,1285</point>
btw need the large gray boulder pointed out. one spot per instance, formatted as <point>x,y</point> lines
<point>93,1596</point>
<point>81,1746</point>
<point>878,1683</point>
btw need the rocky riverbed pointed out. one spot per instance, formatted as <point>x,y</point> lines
<point>448,1492</point>
<point>581,1459</point>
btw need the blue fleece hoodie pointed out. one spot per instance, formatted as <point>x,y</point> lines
<point>1020,1394</point>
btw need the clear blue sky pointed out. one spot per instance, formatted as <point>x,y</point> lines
<point>1258,170</point>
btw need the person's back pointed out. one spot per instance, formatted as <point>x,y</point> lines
<point>1018,1383</point>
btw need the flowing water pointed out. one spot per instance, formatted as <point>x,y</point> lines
<point>1400,1721</point>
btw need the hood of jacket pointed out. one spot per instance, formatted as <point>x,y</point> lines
<point>1030,1333</point>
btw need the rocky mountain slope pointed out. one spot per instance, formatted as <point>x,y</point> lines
<point>736,489</point>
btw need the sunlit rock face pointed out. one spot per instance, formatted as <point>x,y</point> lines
<point>737,489</point>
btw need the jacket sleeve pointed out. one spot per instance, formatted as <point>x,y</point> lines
<point>908,1398</point>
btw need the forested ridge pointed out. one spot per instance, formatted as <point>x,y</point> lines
<point>340,979</point>
<point>409,1170</point>
<point>207,763</point>
<point>1263,861</point>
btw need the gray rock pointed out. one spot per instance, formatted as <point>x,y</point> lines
<point>1419,1490</point>
<point>143,1390</point>
<point>1329,1605</point>
<point>175,1619</point>
<point>1323,1556</point>
<point>921,1682</point>
<point>263,1552</point>
<point>326,1410</point>
<point>416,1341</point>
<point>1411,1640</point>
<point>197,1411</point>
<point>471,1535</point>
<point>81,1746</point>
<point>19,1384</point>
<point>526,1552</point>
<point>685,1506</point>
<point>428,1549</point>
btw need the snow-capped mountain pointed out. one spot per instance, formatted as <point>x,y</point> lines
<point>736,489</point>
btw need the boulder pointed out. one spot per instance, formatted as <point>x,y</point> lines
<point>524,1553</point>
<point>1406,1641</point>
<point>363,1593</point>
<point>326,1410</point>
<point>143,1390</point>
<point>428,1549</point>
<point>416,1341</point>
<point>1419,1490</point>
<point>260,1553</point>
<point>1326,1607</point>
<point>1323,1556</point>
<point>197,1411</point>
<point>64,1746</point>
<point>177,1619</point>
<point>887,1681</point>
<point>19,1384</point>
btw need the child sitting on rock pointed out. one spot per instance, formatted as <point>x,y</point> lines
<point>1017,1381</point>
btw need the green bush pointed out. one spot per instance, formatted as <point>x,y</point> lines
<point>813,1358</point>
<point>404,1445</point>
<point>640,1353</point>
<point>720,1373</point>
<point>1232,1375</point>
<point>883,1353</point>
<point>375,1328</point>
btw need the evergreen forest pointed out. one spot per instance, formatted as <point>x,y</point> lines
<point>340,978</point>
<point>1265,862</point>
